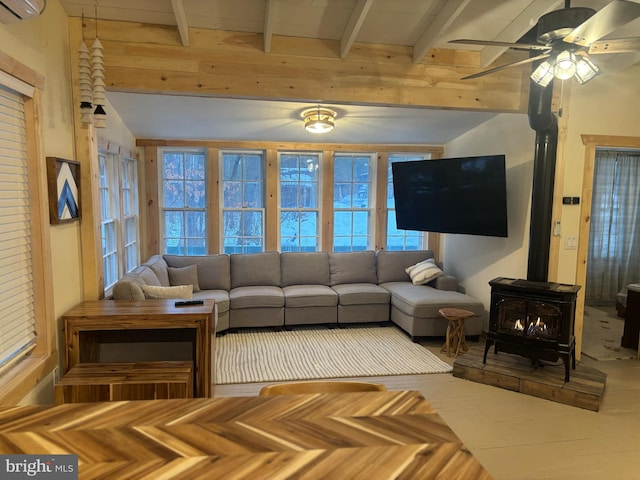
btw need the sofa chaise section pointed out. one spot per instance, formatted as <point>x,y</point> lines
<point>256,299</point>
<point>414,308</point>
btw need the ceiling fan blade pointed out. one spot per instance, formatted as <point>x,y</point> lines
<point>507,65</point>
<point>612,16</point>
<point>618,45</point>
<point>491,43</point>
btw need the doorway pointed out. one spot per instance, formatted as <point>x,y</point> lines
<point>609,241</point>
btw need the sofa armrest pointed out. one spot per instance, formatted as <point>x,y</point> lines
<point>128,290</point>
<point>446,282</point>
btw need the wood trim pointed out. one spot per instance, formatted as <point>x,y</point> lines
<point>109,146</point>
<point>382,165</point>
<point>555,241</point>
<point>326,213</point>
<point>25,376</point>
<point>272,202</point>
<point>141,57</point>
<point>152,205</point>
<point>20,379</point>
<point>213,200</point>
<point>591,142</point>
<point>434,150</point>
<point>40,239</point>
<point>86,150</point>
<point>22,72</point>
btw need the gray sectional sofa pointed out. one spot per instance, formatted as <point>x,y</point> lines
<point>275,289</point>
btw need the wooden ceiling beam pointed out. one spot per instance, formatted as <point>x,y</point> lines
<point>353,26</point>
<point>181,21</point>
<point>268,24</point>
<point>448,14</point>
<point>520,25</point>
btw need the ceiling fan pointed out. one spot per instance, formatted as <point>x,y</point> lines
<point>567,37</point>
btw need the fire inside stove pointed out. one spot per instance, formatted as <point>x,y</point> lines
<point>516,317</point>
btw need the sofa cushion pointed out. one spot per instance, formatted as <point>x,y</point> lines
<point>178,291</point>
<point>144,276</point>
<point>213,270</point>
<point>424,272</point>
<point>221,297</point>
<point>308,268</point>
<point>256,296</point>
<point>391,264</point>
<point>353,267</point>
<point>422,301</point>
<point>184,276</point>
<point>361,294</point>
<point>309,296</point>
<point>249,269</point>
<point>159,267</point>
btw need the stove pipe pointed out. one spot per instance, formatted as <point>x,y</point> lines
<point>544,122</point>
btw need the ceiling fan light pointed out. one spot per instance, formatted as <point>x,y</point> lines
<point>565,66</point>
<point>585,70</point>
<point>543,74</point>
<point>319,119</point>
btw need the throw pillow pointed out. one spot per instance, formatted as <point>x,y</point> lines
<point>423,272</point>
<point>184,276</point>
<point>179,291</point>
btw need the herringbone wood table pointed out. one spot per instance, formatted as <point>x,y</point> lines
<point>372,435</point>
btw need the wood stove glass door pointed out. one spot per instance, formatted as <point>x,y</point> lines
<point>529,318</point>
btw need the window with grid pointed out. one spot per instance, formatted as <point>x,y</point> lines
<point>129,212</point>
<point>17,322</point>
<point>184,202</point>
<point>243,210</point>
<point>400,239</point>
<point>109,206</point>
<point>299,202</point>
<point>353,201</point>
<point>118,187</point>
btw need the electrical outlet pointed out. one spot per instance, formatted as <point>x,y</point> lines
<point>56,375</point>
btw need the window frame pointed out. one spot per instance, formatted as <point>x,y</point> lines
<point>243,210</point>
<point>18,378</point>
<point>184,210</point>
<point>114,192</point>
<point>318,209</point>
<point>423,236</point>
<point>371,199</point>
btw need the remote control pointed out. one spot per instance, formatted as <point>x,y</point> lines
<point>186,303</point>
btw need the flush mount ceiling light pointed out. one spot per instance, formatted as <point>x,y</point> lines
<point>318,119</point>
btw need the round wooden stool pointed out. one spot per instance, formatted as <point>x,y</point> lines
<point>455,329</point>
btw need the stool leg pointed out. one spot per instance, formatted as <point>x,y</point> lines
<point>447,344</point>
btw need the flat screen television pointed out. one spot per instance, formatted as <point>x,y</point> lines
<point>454,195</point>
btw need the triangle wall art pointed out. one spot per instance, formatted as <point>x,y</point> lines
<point>63,179</point>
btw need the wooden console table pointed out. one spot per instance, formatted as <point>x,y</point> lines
<point>381,435</point>
<point>86,323</point>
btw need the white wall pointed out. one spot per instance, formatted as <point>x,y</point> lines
<point>475,260</point>
<point>608,105</point>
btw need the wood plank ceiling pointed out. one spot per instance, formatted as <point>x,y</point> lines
<point>400,44</point>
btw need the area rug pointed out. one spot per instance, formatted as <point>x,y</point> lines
<point>310,353</point>
<point>602,333</point>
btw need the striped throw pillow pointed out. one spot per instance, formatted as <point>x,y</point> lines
<point>423,272</point>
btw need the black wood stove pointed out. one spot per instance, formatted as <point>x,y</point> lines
<point>533,320</point>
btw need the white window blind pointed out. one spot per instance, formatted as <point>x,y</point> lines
<point>17,321</point>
